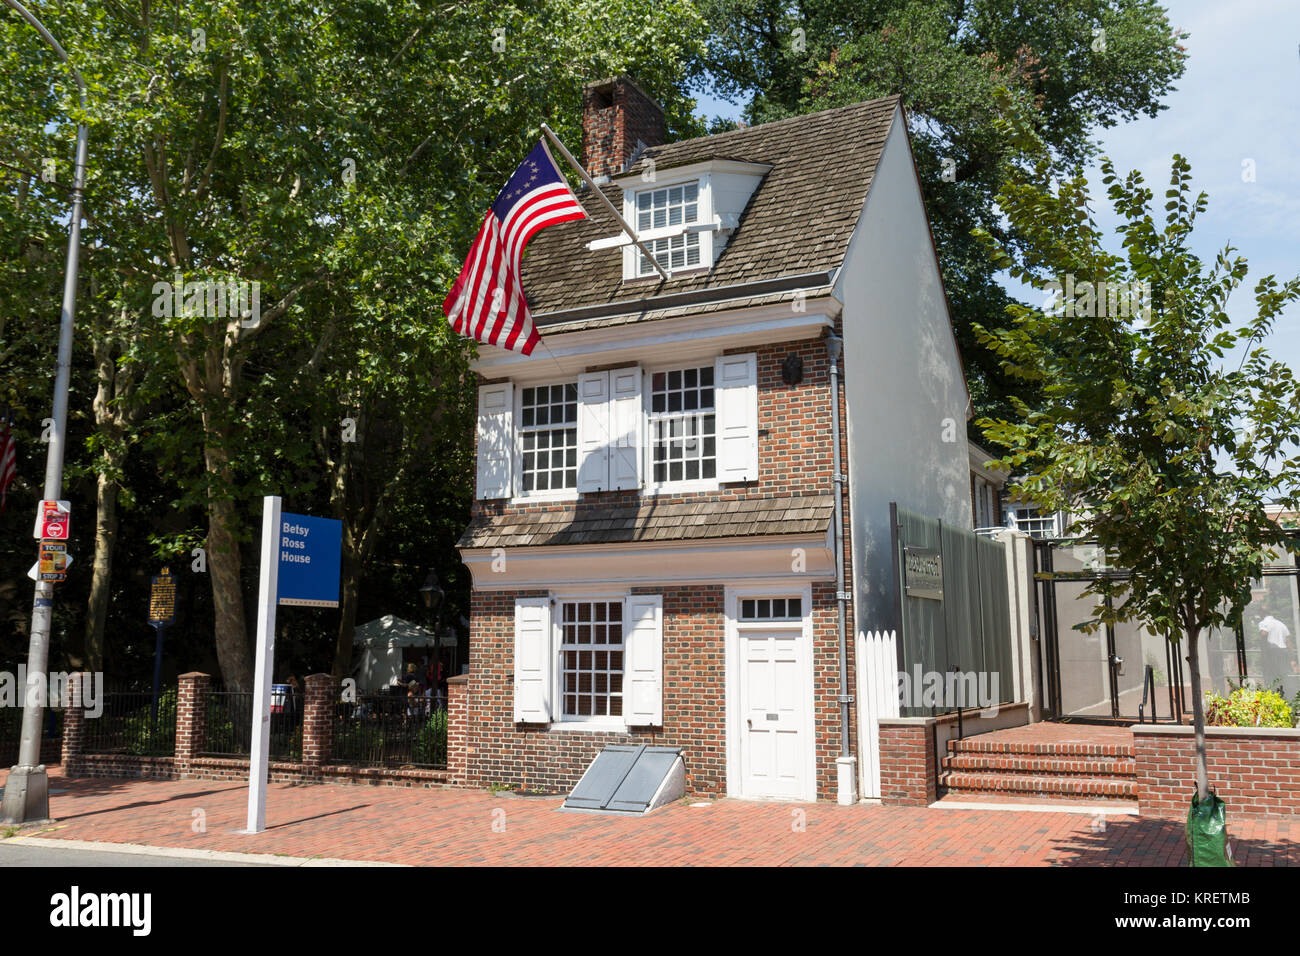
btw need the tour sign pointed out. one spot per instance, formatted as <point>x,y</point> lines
<point>923,573</point>
<point>309,550</point>
<point>162,598</point>
<point>53,561</point>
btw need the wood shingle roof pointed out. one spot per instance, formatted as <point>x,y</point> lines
<point>798,221</point>
<point>648,520</point>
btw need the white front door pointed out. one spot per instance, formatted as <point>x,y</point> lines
<point>774,736</point>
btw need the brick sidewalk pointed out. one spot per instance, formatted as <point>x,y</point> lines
<point>456,827</point>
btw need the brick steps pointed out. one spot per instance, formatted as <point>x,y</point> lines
<point>1041,766</point>
<point>1051,770</point>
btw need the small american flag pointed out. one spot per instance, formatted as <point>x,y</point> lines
<point>487,302</point>
<point>8,460</point>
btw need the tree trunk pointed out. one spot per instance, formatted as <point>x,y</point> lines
<point>101,578</point>
<point>351,593</point>
<point>1198,716</point>
<point>224,566</point>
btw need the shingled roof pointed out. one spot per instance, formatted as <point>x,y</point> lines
<point>798,221</point>
<point>649,521</point>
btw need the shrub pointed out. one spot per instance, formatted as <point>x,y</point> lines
<point>1248,707</point>
<point>144,736</point>
<point>431,741</point>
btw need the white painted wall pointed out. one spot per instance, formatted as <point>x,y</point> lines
<point>902,377</point>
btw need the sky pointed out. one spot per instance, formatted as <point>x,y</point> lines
<point>1238,100</point>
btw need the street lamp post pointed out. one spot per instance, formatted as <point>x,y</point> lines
<point>26,791</point>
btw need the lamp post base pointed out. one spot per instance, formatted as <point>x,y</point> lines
<point>27,795</point>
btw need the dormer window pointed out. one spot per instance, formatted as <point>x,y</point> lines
<point>685,215</point>
<point>671,206</point>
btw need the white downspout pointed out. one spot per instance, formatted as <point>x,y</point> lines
<point>846,771</point>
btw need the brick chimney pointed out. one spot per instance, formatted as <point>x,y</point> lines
<point>617,116</point>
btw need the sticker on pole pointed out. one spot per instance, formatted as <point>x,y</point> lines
<point>53,562</point>
<point>310,550</point>
<point>52,520</point>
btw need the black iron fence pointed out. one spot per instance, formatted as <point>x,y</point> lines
<point>11,730</point>
<point>129,724</point>
<point>390,731</point>
<point>230,725</point>
<point>382,730</point>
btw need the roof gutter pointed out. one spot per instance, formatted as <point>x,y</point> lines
<point>546,320</point>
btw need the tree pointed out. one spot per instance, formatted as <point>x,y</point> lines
<point>1075,66</point>
<point>1167,446</point>
<point>339,158</point>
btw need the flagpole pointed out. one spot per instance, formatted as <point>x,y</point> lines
<point>600,195</point>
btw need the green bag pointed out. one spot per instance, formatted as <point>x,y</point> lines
<point>1207,832</point>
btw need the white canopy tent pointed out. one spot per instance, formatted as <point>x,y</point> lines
<point>381,642</point>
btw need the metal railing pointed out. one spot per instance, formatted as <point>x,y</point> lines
<point>230,725</point>
<point>383,730</point>
<point>1148,687</point>
<point>11,732</point>
<point>128,725</point>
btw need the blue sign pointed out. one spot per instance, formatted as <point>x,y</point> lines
<point>310,551</point>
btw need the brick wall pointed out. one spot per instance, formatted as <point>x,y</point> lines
<point>234,768</point>
<point>907,763</point>
<point>458,748</point>
<point>615,115</point>
<point>191,717</point>
<point>321,691</point>
<point>1255,770</point>
<point>694,674</point>
<point>794,455</point>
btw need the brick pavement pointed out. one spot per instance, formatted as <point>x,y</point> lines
<point>456,827</point>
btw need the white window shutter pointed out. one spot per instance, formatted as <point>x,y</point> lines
<point>735,385</point>
<point>627,420</point>
<point>496,440</point>
<point>593,431</point>
<point>643,661</point>
<point>533,660</point>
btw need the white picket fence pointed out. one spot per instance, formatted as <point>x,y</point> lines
<point>877,667</point>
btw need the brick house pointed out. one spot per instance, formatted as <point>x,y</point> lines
<point>653,541</point>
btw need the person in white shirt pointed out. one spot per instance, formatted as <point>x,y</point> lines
<point>1275,660</point>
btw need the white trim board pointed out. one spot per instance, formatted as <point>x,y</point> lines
<point>669,340</point>
<point>690,561</point>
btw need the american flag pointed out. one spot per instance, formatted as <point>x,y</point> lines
<point>8,460</point>
<point>487,302</point>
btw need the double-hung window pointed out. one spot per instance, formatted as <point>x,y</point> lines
<point>591,659</point>
<point>548,436</point>
<point>662,209</point>
<point>683,426</point>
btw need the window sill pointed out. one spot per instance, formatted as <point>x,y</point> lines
<point>683,487</point>
<point>588,726</point>
<point>542,496</point>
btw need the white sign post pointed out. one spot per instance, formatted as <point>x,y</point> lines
<point>267,590</point>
